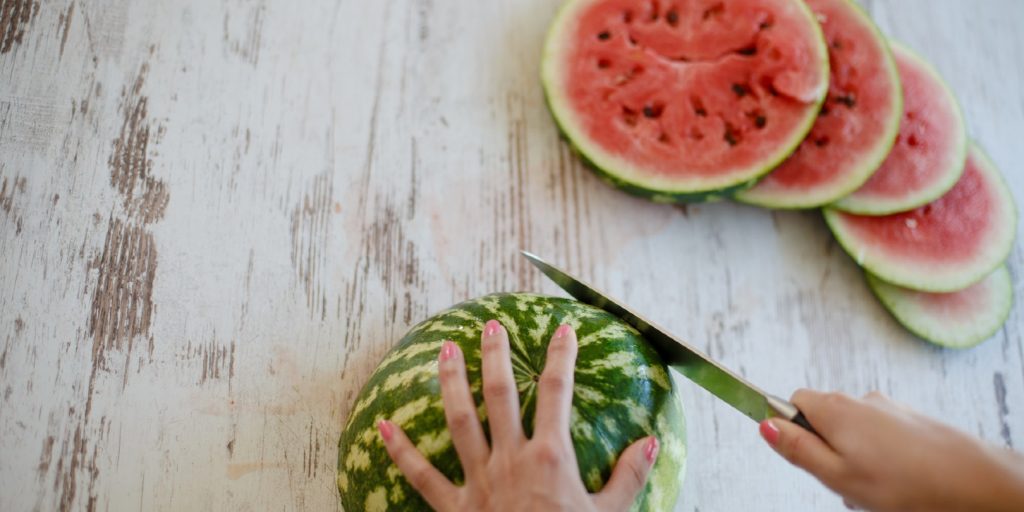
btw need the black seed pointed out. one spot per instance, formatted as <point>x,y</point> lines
<point>836,44</point>
<point>760,121</point>
<point>821,141</point>
<point>672,18</point>
<point>604,36</point>
<point>730,137</point>
<point>847,99</point>
<point>748,51</point>
<point>701,112</point>
<point>648,111</point>
<point>764,25</point>
<point>824,111</point>
<point>603,63</point>
<point>739,90</point>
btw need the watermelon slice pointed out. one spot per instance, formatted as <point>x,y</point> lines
<point>959,319</point>
<point>929,153</point>
<point>943,246</point>
<point>683,101</point>
<point>858,124</point>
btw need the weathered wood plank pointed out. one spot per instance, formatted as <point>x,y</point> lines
<point>217,216</point>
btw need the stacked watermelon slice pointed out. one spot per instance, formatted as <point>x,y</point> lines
<point>794,104</point>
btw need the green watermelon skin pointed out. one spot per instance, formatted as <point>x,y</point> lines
<point>623,392</point>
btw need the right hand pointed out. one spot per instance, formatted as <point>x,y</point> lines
<point>881,456</point>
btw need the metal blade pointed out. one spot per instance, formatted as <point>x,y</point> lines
<point>696,366</point>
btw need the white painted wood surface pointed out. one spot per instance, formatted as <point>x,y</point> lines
<point>218,215</point>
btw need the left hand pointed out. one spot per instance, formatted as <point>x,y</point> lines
<point>515,473</point>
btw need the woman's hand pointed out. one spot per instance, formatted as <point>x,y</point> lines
<point>881,456</point>
<point>515,473</point>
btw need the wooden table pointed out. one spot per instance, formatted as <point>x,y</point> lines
<point>218,216</point>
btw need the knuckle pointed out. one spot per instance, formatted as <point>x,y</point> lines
<point>548,455</point>
<point>449,372</point>
<point>498,389</point>
<point>636,474</point>
<point>419,477</point>
<point>493,345</point>
<point>461,420</point>
<point>555,383</point>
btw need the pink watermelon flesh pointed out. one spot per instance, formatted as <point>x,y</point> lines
<point>929,153</point>
<point>943,246</point>
<point>701,94</point>
<point>855,128</point>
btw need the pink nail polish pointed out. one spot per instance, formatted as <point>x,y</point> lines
<point>448,349</point>
<point>563,331</point>
<point>491,328</point>
<point>651,449</point>
<point>386,429</point>
<point>769,432</point>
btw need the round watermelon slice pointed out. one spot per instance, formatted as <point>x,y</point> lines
<point>943,246</point>
<point>929,153</point>
<point>857,125</point>
<point>958,319</point>
<point>684,101</point>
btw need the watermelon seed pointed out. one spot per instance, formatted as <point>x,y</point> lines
<point>632,40</point>
<point>766,24</point>
<point>604,36</point>
<point>663,138</point>
<point>603,63</point>
<point>836,44</point>
<point>760,121</point>
<point>672,18</point>
<point>821,141</point>
<point>748,51</point>
<point>698,107</point>
<point>627,16</point>
<point>732,136</point>
<point>629,116</point>
<point>653,111</point>
<point>824,111</point>
<point>740,90</point>
<point>912,141</point>
<point>847,99</point>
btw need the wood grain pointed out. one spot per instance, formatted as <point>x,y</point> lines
<point>216,217</point>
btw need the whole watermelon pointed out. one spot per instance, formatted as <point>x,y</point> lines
<point>623,392</point>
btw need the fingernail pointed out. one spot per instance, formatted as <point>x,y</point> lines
<point>651,449</point>
<point>491,328</point>
<point>563,331</point>
<point>386,429</point>
<point>769,432</point>
<point>448,349</point>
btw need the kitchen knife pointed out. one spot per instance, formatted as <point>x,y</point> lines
<point>724,384</point>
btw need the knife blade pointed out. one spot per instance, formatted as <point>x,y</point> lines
<point>692,363</point>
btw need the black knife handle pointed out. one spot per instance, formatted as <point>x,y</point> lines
<point>799,419</point>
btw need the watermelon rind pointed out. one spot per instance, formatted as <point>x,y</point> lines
<point>874,206</point>
<point>870,160</point>
<point>905,307</point>
<point>621,174</point>
<point>923,277</point>
<point>623,392</point>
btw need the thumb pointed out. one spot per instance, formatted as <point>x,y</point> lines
<point>629,475</point>
<point>802,448</point>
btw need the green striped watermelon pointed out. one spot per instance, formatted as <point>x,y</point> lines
<point>623,392</point>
